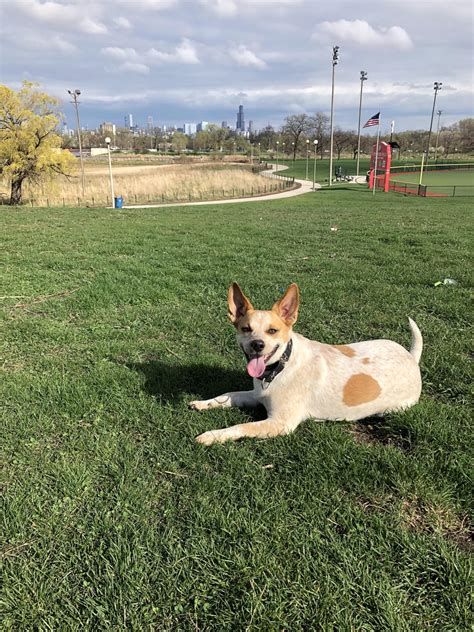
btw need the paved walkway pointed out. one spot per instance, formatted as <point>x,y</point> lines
<point>305,186</point>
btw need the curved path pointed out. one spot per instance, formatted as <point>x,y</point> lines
<point>305,186</point>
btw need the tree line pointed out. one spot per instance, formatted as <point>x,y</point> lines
<point>295,136</point>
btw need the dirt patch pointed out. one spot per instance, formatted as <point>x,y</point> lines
<point>420,516</point>
<point>373,431</point>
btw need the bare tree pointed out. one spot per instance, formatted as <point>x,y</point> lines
<point>294,127</point>
<point>342,139</point>
<point>320,130</point>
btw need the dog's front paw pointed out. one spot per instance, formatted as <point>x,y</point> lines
<point>210,437</point>
<point>198,405</point>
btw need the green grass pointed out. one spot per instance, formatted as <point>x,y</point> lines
<point>114,518</point>
<point>438,178</point>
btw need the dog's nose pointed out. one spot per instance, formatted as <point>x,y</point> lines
<point>257,345</point>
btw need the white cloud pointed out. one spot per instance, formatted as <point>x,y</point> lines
<point>362,33</point>
<point>122,23</point>
<point>134,67</point>
<point>245,57</point>
<point>119,54</point>
<point>184,53</point>
<point>33,41</point>
<point>145,5</point>
<point>57,15</point>
<point>222,8</point>
<point>231,8</point>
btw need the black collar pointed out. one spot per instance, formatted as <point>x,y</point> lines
<point>272,370</point>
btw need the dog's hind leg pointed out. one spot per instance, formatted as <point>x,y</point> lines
<point>241,399</point>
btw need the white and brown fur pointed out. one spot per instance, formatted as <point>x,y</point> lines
<point>326,382</point>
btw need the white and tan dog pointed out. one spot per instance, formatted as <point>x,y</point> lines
<point>296,378</point>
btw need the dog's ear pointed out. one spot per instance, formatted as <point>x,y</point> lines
<point>238,303</point>
<point>287,307</point>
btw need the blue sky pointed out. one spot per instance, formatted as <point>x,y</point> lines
<point>190,60</point>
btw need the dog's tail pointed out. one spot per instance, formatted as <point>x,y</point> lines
<point>416,341</point>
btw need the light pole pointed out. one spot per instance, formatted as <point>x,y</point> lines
<point>307,157</point>
<point>363,77</point>
<point>75,102</point>
<point>439,112</point>
<point>335,58</point>
<point>437,86</point>
<point>314,169</point>
<point>293,148</point>
<point>259,153</point>
<point>277,143</point>
<point>107,140</point>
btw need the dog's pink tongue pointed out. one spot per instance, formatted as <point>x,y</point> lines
<point>256,367</point>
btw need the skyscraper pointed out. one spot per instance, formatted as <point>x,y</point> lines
<point>129,121</point>
<point>240,127</point>
<point>149,123</point>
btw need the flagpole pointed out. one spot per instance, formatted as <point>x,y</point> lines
<point>376,157</point>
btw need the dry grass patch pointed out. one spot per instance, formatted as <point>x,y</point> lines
<point>147,183</point>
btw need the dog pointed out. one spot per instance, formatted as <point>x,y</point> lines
<point>296,378</point>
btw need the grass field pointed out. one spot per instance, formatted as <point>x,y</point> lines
<point>114,518</point>
<point>438,178</point>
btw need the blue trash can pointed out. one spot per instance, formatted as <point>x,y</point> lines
<point>118,202</point>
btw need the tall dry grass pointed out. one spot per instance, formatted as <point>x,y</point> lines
<point>142,184</point>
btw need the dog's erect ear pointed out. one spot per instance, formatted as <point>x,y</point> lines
<point>287,307</point>
<point>238,303</point>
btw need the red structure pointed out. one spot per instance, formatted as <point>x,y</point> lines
<point>384,160</point>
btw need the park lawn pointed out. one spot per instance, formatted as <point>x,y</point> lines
<point>349,166</point>
<point>114,518</point>
<point>438,178</point>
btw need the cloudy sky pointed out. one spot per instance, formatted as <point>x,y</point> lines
<point>191,60</point>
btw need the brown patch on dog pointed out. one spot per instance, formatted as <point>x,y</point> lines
<point>366,361</point>
<point>347,351</point>
<point>360,389</point>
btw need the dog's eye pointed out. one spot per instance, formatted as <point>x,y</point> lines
<point>272,331</point>
<point>246,329</point>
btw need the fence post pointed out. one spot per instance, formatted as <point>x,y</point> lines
<point>454,191</point>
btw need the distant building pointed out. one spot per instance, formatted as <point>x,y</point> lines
<point>202,126</point>
<point>250,128</point>
<point>240,126</point>
<point>129,121</point>
<point>224,125</point>
<point>149,123</point>
<point>107,128</point>
<point>189,128</point>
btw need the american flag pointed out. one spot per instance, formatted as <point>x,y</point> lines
<point>374,120</point>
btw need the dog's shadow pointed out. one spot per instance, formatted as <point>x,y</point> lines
<point>173,383</point>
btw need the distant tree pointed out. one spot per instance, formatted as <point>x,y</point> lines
<point>466,135</point>
<point>294,128</point>
<point>342,139</point>
<point>179,142</point>
<point>449,139</point>
<point>267,138</point>
<point>320,131</point>
<point>30,147</point>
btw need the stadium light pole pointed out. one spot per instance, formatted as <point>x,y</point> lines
<point>107,140</point>
<point>363,77</point>
<point>437,86</point>
<point>335,58</point>
<point>315,142</point>
<point>75,102</point>
<point>307,157</point>
<point>439,112</point>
